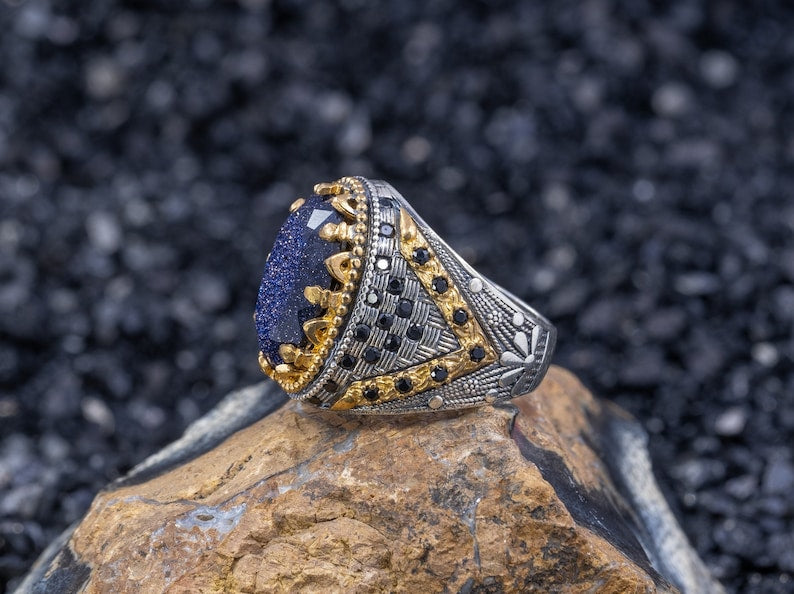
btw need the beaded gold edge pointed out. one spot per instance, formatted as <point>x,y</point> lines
<point>469,333</point>
<point>301,365</point>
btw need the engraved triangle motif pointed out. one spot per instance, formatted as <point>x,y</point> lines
<point>410,340</point>
<point>473,350</point>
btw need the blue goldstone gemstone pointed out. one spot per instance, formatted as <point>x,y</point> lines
<point>296,261</point>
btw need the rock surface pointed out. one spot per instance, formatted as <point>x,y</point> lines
<point>552,492</point>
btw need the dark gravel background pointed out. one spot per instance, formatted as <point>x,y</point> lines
<point>626,167</point>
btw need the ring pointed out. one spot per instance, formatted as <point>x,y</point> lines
<point>363,308</point>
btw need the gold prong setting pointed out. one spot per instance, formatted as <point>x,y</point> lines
<point>303,363</point>
<point>297,204</point>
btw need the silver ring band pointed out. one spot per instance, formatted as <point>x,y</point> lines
<point>421,329</point>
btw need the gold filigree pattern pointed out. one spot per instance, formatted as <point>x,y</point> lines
<point>301,365</point>
<point>469,333</point>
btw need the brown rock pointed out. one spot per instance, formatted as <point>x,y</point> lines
<point>550,493</point>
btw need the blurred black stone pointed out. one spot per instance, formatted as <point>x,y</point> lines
<point>627,168</point>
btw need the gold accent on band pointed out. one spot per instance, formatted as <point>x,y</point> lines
<point>408,229</point>
<point>469,334</point>
<point>301,365</point>
<point>296,205</point>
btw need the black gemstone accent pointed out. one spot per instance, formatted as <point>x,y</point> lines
<point>331,386</point>
<point>405,308</point>
<point>460,317</point>
<point>395,286</point>
<point>392,343</point>
<point>385,321</point>
<point>403,385</point>
<point>439,374</point>
<point>415,332</point>
<point>373,298</point>
<point>440,284</point>
<point>371,394</point>
<point>477,354</point>
<point>371,354</point>
<point>421,256</point>
<point>386,230</point>
<point>362,332</point>
<point>347,361</point>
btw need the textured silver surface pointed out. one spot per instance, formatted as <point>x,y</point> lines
<point>523,339</point>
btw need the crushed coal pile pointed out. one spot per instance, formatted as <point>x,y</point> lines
<point>627,168</point>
